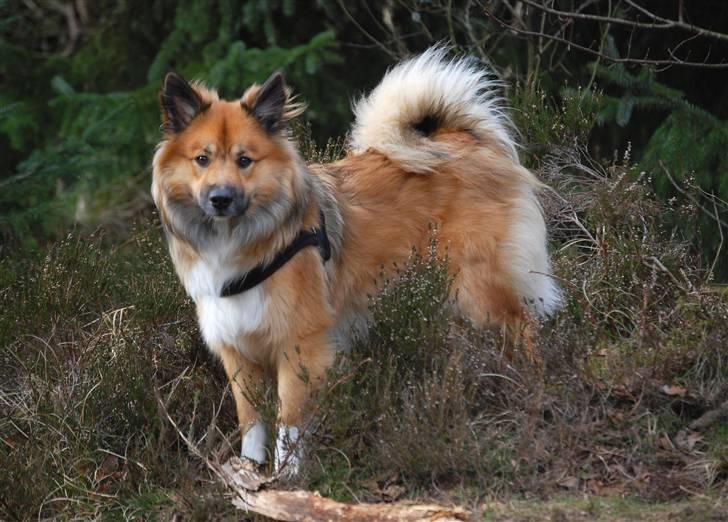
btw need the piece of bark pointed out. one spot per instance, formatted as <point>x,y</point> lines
<point>251,495</point>
<point>242,476</point>
<point>304,506</point>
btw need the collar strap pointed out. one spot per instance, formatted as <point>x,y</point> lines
<point>306,238</point>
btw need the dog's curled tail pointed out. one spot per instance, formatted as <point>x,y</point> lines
<point>423,94</point>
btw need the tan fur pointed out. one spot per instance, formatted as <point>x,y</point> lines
<point>468,205</point>
<point>386,210</point>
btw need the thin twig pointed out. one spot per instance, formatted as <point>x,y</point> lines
<point>657,23</point>
<point>376,42</point>
<point>595,18</point>
<point>720,245</point>
<point>594,52</point>
<point>681,25</point>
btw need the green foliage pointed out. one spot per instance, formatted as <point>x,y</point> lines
<point>84,136</point>
<point>546,125</point>
<point>640,90</point>
<point>689,144</point>
<point>687,148</point>
<point>257,64</point>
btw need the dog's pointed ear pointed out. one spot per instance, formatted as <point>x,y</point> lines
<point>179,102</point>
<point>269,105</point>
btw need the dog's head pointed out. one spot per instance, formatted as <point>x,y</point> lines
<point>227,168</point>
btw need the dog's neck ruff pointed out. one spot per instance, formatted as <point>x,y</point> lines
<point>305,238</point>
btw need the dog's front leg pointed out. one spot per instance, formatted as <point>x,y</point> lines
<point>301,372</point>
<point>246,378</point>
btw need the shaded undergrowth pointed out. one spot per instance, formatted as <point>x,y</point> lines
<point>428,405</point>
<point>92,336</point>
<point>99,343</point>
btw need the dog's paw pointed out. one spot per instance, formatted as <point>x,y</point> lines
<point>254,443</point>
<point>288,451</point>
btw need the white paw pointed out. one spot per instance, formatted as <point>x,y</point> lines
<point>254,442</point>
<point>288,451</point>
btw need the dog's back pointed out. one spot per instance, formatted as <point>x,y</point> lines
<point>431,145</point>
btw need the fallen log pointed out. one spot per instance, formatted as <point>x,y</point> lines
<point>253,494</point>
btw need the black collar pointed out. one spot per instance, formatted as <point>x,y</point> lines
<point>306,238</point>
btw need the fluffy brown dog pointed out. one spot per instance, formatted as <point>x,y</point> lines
<point>243,215</point>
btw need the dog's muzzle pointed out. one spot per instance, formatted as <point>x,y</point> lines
<point>223,201</point>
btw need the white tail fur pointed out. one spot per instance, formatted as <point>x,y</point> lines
<point>452,93</point>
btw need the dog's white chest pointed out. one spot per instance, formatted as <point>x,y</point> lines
<point>223,319</point>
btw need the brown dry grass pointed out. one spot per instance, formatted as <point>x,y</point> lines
<point>94,335</point>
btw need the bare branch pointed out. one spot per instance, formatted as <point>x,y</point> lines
<point>679,24</point>
<point>376,42</point>
<point>641,61</point>
<point>596,18</point>
<point>657,23</point>
<point>307,505</point>
<point>74,30</point>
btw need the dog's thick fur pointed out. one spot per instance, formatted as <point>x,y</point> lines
<point>430,147</point>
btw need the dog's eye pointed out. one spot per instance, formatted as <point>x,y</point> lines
<point>244,162</point>
<point>202,160</point>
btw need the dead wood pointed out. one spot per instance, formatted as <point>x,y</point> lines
<point>252,494</point>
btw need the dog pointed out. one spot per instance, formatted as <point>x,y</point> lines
<point>279,257</point>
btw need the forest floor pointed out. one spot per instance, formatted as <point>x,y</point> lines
<point>110,405</point>
<point>103,371</point>
<point>614,509</point>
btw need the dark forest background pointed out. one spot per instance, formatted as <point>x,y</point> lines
<point>78,114</point>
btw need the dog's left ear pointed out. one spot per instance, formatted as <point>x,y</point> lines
<point>272,104</point>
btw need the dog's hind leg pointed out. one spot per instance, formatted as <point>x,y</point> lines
<point>245,380</point>
<point>484,295</point>
<point>301,372</point>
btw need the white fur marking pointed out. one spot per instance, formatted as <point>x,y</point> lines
<point>528,257</point>
<point>288,450</point>
<point>223,319</point>
<point>254,443</point>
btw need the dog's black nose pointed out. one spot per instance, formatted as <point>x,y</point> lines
<point>221,197</point>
